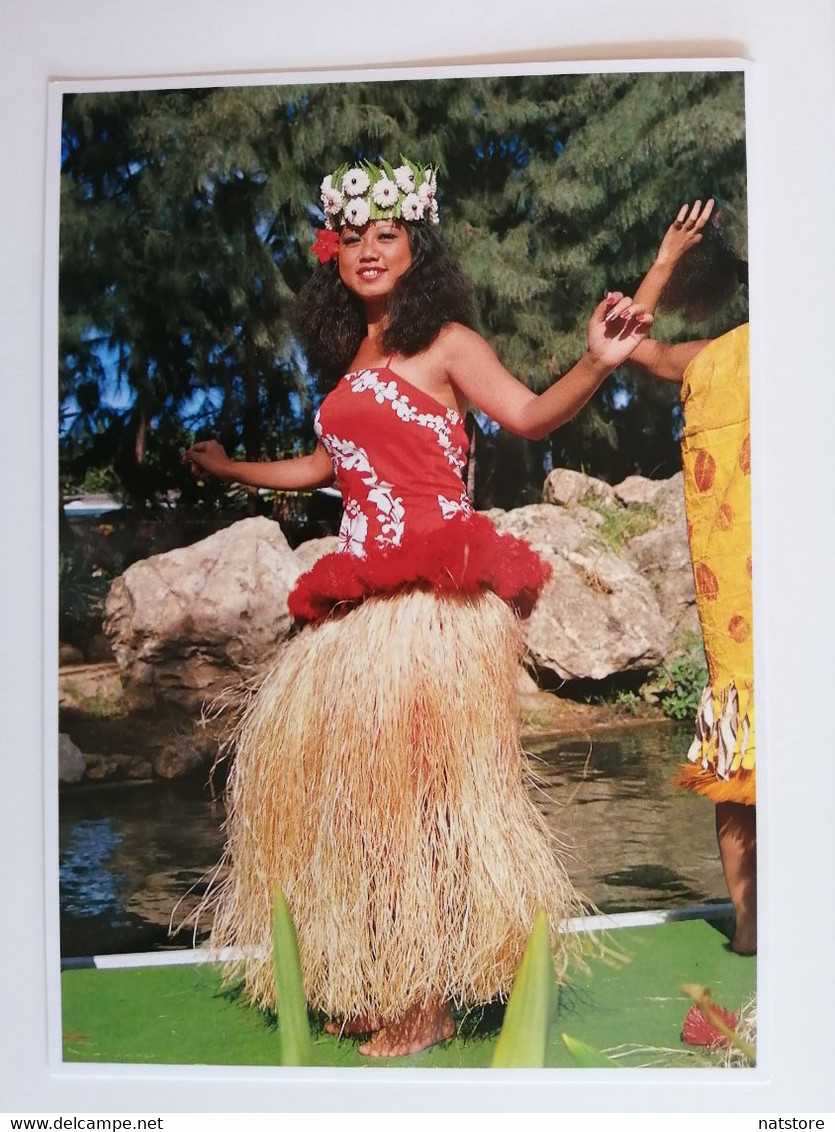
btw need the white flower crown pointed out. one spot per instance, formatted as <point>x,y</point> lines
<point>367,191</point>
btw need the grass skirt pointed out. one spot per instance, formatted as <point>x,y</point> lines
<point>379,782</point>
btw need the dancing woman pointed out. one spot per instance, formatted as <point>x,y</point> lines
<point>695,272</point>
<point>378,778</point>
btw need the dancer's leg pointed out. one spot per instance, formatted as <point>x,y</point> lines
<point>736,830</point>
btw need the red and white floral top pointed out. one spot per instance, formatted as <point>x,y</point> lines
<point>398,456</point>
<point>385,438</point>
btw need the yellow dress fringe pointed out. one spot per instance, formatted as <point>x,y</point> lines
<point>379,781</point>
<point>716,453</point>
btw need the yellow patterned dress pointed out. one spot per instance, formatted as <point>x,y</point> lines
<point>716,453</point>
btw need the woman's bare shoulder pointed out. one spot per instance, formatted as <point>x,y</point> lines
<point>456,343</point>
<point>455,334</point>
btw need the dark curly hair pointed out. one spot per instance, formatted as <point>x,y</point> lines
<point>705,277</point>
<point>330,320</point>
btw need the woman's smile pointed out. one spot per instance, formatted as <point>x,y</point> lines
<point>373,258</point>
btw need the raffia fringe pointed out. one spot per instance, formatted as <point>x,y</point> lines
<point>722,752</point>
<point>380,783</point>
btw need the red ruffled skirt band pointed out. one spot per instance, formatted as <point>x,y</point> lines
<point>466,555</point>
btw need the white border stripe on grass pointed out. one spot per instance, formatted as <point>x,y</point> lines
<point>645,919</point>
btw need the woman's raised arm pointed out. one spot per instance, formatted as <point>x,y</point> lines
<point>615,329</point>
<point>682,235</point>
<point>298,474</point>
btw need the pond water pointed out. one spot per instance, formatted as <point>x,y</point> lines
<point>129,853</point>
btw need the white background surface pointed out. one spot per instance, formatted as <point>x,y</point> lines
<point>792,183</point>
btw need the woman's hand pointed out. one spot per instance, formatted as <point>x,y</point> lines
<point>617,326</point>
<point>208,457</point>
<point>301,473</point>
<point>684,232</point>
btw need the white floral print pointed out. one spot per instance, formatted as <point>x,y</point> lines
<point>452,507</point>
<point>388,391</point>
<point>391,515</point>
<point>381,514</point>
<point>353,530</point>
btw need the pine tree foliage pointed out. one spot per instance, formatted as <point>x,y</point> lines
<point>187,216</point>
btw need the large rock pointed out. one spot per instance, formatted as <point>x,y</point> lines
<point>663,556</point>
<point>549,529</point>
<point>596,617</point>
<point>564,488</point>
<point>186,624</point>
<point>638,489</point>
<point>308,553</point>
<point>669,500</point>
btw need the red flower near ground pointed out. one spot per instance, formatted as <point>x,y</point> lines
<point>700,1031</point>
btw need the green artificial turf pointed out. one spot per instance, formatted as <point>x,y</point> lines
<point>182,1015</point>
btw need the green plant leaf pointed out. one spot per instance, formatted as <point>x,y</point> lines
<point>524,1034</point>
<point>294,1042</point>
<point>586,1056</point>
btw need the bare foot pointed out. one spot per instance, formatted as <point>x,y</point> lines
<point>353,1027</point>
<point>419,1028</point>
<point>744,941</point>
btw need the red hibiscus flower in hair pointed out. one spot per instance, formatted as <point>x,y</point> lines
<point>326,245</point>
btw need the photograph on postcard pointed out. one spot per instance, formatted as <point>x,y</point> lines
<point>406,699</point>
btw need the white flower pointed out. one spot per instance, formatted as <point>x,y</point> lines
<point>355,182</point>
<point>434,219</point>
<point>385,193</point>
<point>425,193</point>
<point>412,207</point>
<point>332,200</point>
<point>405,178</point>
<point>357,212</point>
<point>326,186</point>
<point>430,179</point>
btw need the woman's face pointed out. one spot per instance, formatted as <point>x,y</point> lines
<point>373,258</point>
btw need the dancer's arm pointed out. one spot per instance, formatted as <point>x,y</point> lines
<point>667,362</point>
<point>615,329</point>
<point>682,235</point>
<point>298,474</point>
